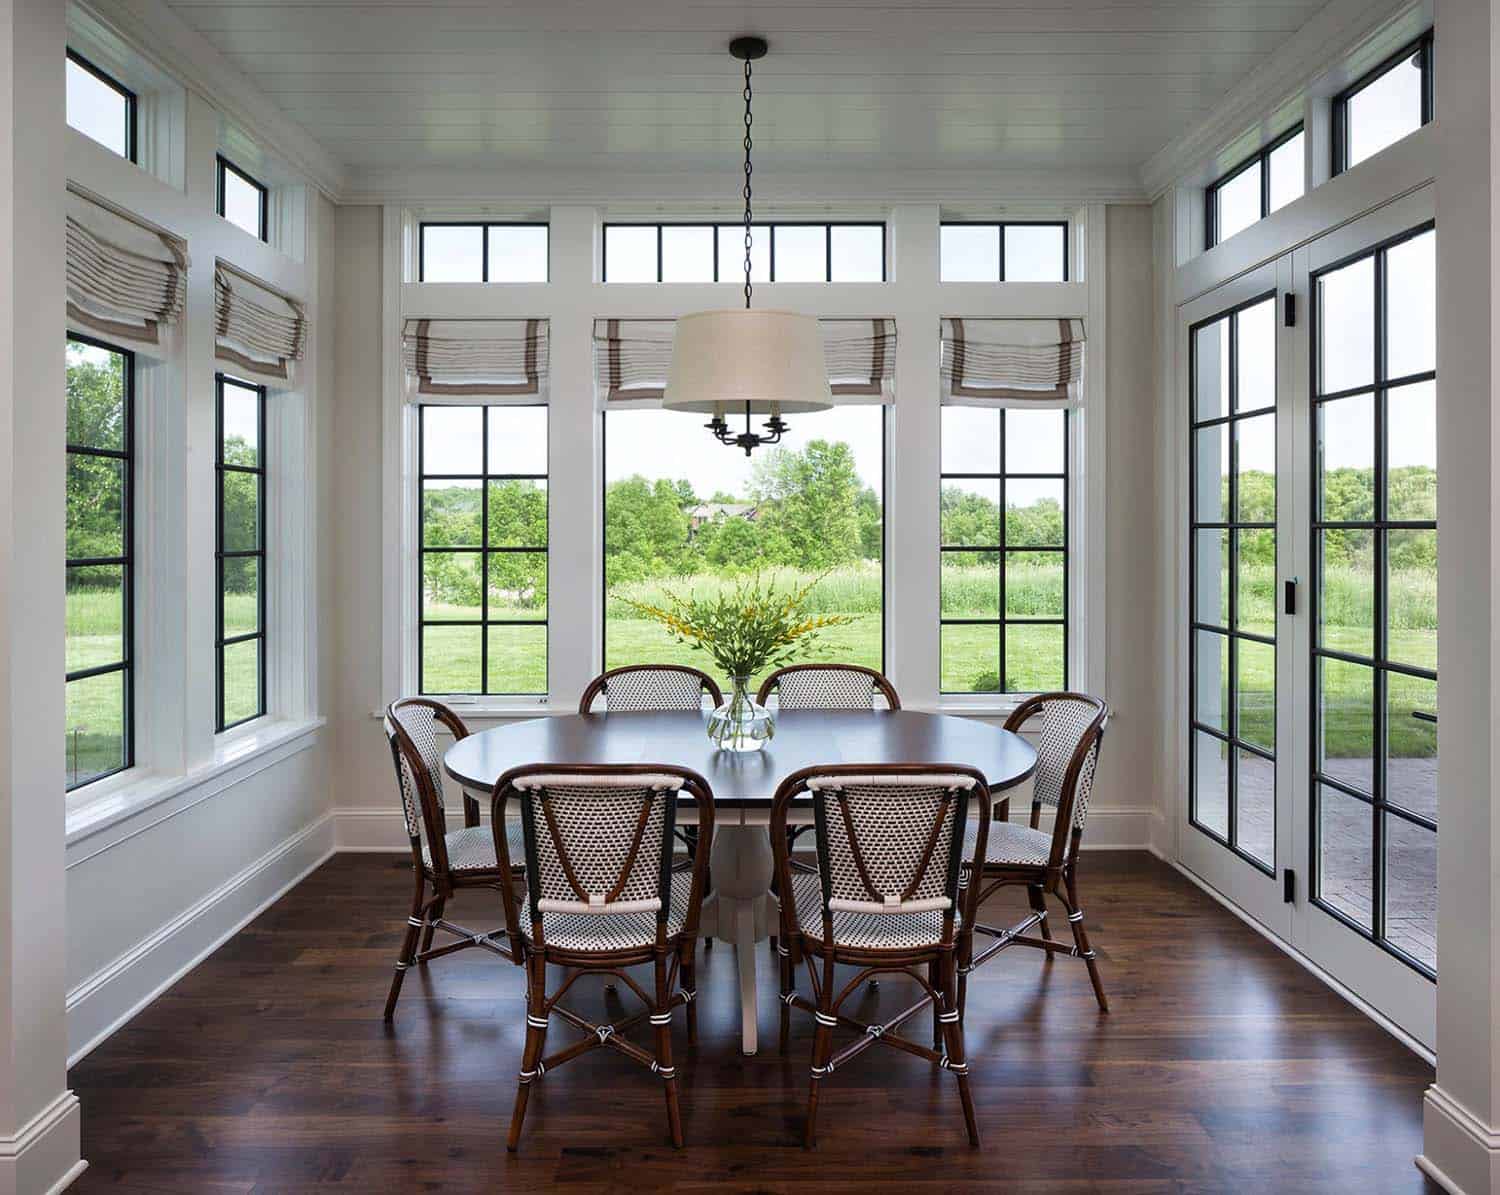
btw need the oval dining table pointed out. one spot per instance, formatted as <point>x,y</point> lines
<point>741,910</point>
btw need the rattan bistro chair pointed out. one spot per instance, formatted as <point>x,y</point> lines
<point>884,897</point>
<point>601,896</point>
<point>1072,729</point>
<point>827,687</point>
<point>443,860</point>
<point>651,687</point>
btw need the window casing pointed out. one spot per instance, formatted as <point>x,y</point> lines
<point>1003,251</point>
<point>1004,598</point>
<point>1267,180</point>
<point>97,100</point>
<point>100,677</point>
<point>782,251</point>
<point>1383,105</point>
<point>242,200</point>
<point>240,552</point>
<point>482,563</point>
<point>491,251</point>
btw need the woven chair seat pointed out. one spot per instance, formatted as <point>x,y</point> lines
<point>864,931</point>
<point>473,848</point>
<point>1011,844</point>
<point>608,931</point>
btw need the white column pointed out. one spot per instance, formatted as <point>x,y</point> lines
<point>38,1115</point>
<point>1461,1145</point>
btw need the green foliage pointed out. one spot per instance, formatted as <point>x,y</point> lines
<point>972,520</point>
<point>812,498</point>
<point>645,530</point>
<point>95,485</point>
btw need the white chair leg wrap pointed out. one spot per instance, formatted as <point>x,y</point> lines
<point>666,1072</point>
<point>958,1068</point>
<point>415,922</point>
<point>528,1076</point>
<point>1076,915</point>
<point>661,1018</point>
<point>948,1018</point>
<point>824,1019</point>
<point>536,1022</point>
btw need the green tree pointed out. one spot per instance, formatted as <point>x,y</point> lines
<point>645,530</point>
<point>811,497</point>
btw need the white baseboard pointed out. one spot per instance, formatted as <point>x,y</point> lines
<point>1467,1148</point>
<point>42,1156</point>
<point>380,828</point>
<point>116,992</point>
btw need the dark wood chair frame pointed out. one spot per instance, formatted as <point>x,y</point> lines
<point>600,683</point>
<point>426,915</point>
<point>938,984</point>
<point>671,957</point>
<point>882,685</point>
<point>1058,877</point>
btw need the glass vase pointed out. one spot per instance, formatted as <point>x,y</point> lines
<point>740,724</point>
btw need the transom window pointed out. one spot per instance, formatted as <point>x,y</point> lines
<point>482,252</point>
<point>1005,251</point>
<point>241,552</point>
<point>1269,179</point>
<point>100,106</point>
<point>784,252</point>
<point>684,515</point>
<point>1384,105</point>
<point>241,200</point>
<point>100,561</point>
<point>483,560</point>
<point>1004,608</point>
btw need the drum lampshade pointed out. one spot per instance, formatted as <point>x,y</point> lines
<point>771,359</point>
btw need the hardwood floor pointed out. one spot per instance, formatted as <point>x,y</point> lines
<point>1223,1067</point>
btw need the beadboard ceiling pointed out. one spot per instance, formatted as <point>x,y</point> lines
<point>648,84</point>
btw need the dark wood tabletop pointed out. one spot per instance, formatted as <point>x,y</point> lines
<point>803,738</point>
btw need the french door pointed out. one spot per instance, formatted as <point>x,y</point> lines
<point>1311,598</point>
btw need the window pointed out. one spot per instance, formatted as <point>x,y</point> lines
<point>683,514</point>
<point>1004,597</point>
<point>716,253</point>
<point>482,253</point>
<point>1374,595</point>
<point>1232,553</point>
<point>100,107</point>
<point>1013,251</point>
<point>242,200</point>
<point>483,560</point>
<point>1384,105</point>
<point>241,552</point>
<point>1271,179</point>
<point>100,571</point>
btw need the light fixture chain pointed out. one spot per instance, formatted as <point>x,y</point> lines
<point>749,119</point>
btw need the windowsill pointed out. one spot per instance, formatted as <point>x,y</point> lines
<point>134,791</point>
<point>525,707</point>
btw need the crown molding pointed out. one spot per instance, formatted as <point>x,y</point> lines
<point>160,35</point>
<point>1310,52</point>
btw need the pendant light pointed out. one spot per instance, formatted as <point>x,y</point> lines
<point>769,363</point>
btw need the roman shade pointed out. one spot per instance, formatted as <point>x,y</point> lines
<point>126,281</point>
<point>1012,362</point>
<point>495,360</point>
<point>632,359</point>
<point>258,330</point>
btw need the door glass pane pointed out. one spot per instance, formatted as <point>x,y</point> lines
<point>1346,315</point>
<point>1288,171</point>
<point>1255,358</point>
<point>1346,459</point>
<point>1346,722</point>
<point>1346,592</point>
<point>1211,783</point>
<point>1256,699</point>
<point>1211,577</point>
<point>1256,596</point>
<point>970,253</point>
<point>1211,679</point>
<point>1237,202</point>
<point>1255,806</point>
<point>1411,768</point>
<point>1411,306</point>
<point>1411,453</point>
<point>1211,370</point>
<point>1211,469</point>
<point>1255,463</point>
<point>1411,889</point>
<point>1345,854</point>
<point>1411,598</point>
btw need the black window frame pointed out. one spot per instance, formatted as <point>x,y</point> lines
<point>1001,550</point>
<point>1001,225</point>
<point>1421,45</point>
<point>484,227</point>
<point>1230,630</point>
<point>129,96</point>
<point>125,562</point>
<point>1261,160</point>
<point>1379,663</point>
<point>484,551</point>
<point>263,193</point>
<point>221,554</point>
<point>769,227</point>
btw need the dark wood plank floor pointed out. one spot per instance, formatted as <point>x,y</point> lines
<point>1223,1067</point>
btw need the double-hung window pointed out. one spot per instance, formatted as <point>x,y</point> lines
<point>1267,180</point>
<point>242,200</point>
<point>100,561</point>
<point>241,552</point>
<point>100,106</point>
<point>1384,105</point>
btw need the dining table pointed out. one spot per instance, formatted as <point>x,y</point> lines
<point>741,909</point>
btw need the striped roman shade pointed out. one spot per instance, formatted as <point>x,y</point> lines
<point>632,357</point>
<point>494,360</point>
<point>258,330</point>
<point>1012,362</point>
<point>126,281</point>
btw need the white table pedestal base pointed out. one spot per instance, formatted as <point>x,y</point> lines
<point>741,909</point>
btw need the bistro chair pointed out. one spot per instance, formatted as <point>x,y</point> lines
<point>884,897</point>
<point>443,860</point>
<point>601,895</point>
<point>827,687</point>
<point>651,687</point>
<point>1072,729</point>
